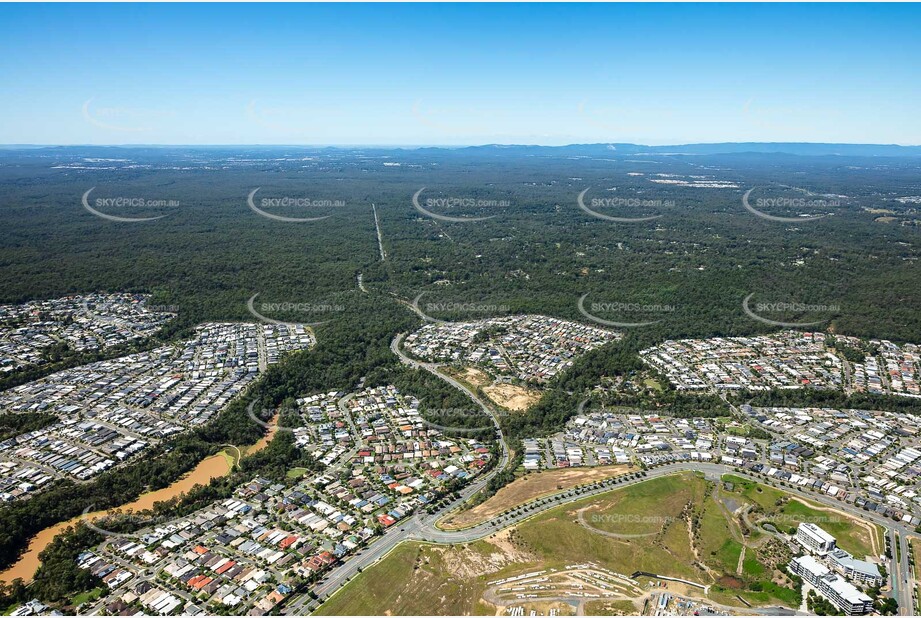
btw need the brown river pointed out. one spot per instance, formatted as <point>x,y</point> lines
<point>209,468</point>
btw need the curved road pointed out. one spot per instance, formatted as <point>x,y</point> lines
<point>433,368</point>
<point>421,527</point>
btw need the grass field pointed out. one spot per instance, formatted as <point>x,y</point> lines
<point>611,608</point>
<point>688,530</point>
<point>915,545</point>
<point>852,534</point>
<point>853,537</point>
<point>296,473</point>
<point>89,595</point>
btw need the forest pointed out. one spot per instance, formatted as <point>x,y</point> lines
<point>538,253</point>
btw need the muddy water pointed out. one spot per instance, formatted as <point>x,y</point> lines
<point>208,469</point>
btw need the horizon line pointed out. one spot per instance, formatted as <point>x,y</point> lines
<point>449,145</point>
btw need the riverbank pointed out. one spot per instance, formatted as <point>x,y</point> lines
<point>207,469</point>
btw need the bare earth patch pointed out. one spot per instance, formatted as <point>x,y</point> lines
<point>511,396</point>
<point>527,488</point>
<point>474,376</point>
<point>468,563</point>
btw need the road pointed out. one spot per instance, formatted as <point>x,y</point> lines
<point>421,527</point>
<point>902,586</point>
<point>380,238</point>
<point>434,369</point>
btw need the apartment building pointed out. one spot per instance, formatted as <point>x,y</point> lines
<point>833,587</point>
<point>814,539</point>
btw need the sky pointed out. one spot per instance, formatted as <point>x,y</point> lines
<point>459,74</point>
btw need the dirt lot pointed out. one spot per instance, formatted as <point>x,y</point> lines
<point>474,376</point>
<point>526,488</point>
<point>512,397</point>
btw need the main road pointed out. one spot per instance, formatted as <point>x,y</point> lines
<point>902,584</point>
<point>421,527</point>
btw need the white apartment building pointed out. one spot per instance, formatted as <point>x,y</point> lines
<point>833,587</point>
<point>852,568</point>
<point>814,539</point>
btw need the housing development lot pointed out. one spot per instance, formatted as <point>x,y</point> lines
<point>868,458</point>
<point>789,360</point>
<point>246,554</point>
<point>865,457</point>
<point>604,438</point>
<point>32,332</point>
<point>110,411</point>
<point>529,348</point>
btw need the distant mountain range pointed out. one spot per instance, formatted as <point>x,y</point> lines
<point>793,148</point>
<point>593,150</point>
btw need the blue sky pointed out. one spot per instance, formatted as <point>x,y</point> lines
<point>416,74</point>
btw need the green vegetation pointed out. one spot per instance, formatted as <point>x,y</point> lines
<point>820,605</point>
<point>296,473</point>
<point>681,518</point>
<point>58,579</point>
<point>16,424</point>
<point>785,513</point>
<point>393,585</point>
<point>540,255</point>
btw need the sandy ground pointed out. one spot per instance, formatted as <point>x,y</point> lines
<point>474,376</point>
<point>511,396</point>
<point>529,487</point>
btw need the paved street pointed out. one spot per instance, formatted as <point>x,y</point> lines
<point>422,528</point>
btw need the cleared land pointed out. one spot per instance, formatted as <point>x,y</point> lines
<point>473,376</point>
<point>418,579</point>
<point>512,397</point>
<point>529,487</point>
<point>509,396</point>
<point>691,528</point>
